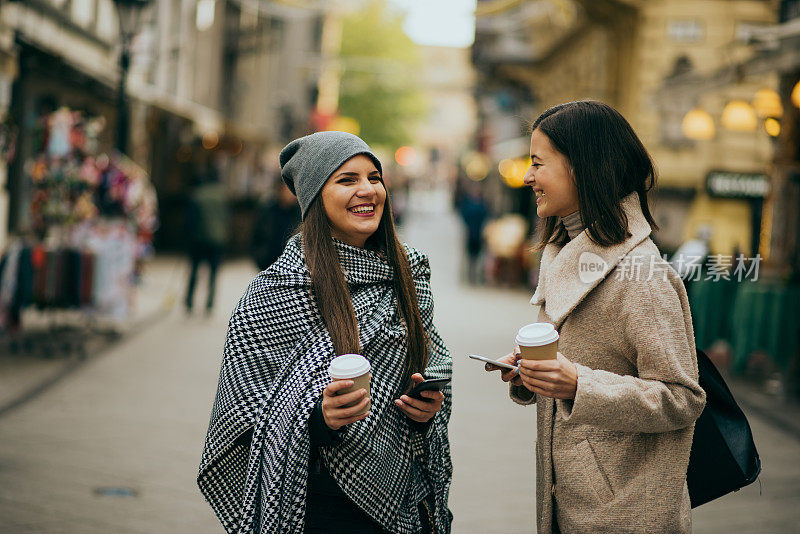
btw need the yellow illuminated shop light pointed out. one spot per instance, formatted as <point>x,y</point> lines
<point>739,116</point>
<point>345,124</point>
<point>513,171</point>
<point>476,166</point>
<point>773,127</point>
<point>767,103</point>
<point>698,125</point>
<point>796,95</point>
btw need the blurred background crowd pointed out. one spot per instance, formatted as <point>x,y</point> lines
<point>119,115</point>
<point>136,134</point>
<point>132,128</point>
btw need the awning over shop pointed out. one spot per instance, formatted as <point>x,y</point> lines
<point>204,118</point>
<point>89,54</point>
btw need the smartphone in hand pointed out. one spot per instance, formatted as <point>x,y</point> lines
<point>431,384</point>
<point>493,362</point>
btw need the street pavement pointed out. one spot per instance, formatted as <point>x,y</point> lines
<point>114,446</point>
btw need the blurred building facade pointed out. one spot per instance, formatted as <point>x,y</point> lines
<point>621,52</point>
<point>446,80</point>
<point>55,54</point>
<point>774,54</point>
<point>233,81</point>
<point>212,82</point>
<point>713,90</point>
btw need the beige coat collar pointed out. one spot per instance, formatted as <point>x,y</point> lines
<point>567,274</point>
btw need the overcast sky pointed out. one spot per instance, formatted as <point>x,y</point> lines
<point>439,22</point>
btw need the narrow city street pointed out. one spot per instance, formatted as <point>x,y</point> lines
<point>114,447</point>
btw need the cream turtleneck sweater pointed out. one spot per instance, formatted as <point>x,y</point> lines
<point>573,224</point>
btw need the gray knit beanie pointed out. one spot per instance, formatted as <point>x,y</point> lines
<point>308,162</point>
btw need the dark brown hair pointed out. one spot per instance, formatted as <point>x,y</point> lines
<point>333,296</point>
<point>608,163</point>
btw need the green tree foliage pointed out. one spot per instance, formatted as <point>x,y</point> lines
<point>379,87</point>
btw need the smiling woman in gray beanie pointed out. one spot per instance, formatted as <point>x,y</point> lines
<point>285,453</point>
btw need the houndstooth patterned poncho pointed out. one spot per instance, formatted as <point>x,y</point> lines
<point>254,468</point>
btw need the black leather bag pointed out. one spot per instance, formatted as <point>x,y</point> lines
<point>724,457</point>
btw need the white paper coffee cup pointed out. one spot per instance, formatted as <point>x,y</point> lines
<point>353,367</point>
<point>538,341</point>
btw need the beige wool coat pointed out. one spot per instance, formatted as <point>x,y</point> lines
<point>614,459</point>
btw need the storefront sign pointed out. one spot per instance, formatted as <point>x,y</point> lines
<point>725,184</point>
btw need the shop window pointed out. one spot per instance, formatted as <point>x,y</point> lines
<point>673,110</point>
<point>317,32</point>
<point>686,31</point>
<point>84,12</point>
<point>204,17</point>
<point>107,25</point>
<point>277,30</point>
<point>790,9</point>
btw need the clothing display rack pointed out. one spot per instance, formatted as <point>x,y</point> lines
<point>71,287</point>
<point>90,223</point>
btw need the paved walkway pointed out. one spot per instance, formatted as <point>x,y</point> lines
<point>114,446</point>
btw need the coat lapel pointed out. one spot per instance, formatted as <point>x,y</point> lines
<point>569,273</point>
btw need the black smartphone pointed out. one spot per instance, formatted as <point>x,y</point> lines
<point>431,384</point>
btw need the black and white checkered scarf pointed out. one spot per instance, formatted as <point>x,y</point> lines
<point>254,468</point>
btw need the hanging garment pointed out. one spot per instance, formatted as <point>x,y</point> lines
<point>51,276</point>
<point>254,467</point>
<point>87,275</point>
<point>9,275</point>
<point>24,296</point>
<point>72,278</point>
<point>39,259</point>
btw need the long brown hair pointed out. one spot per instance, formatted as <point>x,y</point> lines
<point>333,296</point>
<point>608,163</point>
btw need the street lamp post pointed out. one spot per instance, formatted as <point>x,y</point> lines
<point>129,12</point>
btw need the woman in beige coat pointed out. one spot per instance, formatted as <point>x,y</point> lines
<point>616,409</point>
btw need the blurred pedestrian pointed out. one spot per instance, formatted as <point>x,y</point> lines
<point>459,190</point>
<point>474,213</point>
<point>400,191</point>
<point>284,451</point>
<point>616,408</point>
<point>276,221</point>
<point>505,239</point>
<point>690,258</point>
<point>206,230</point>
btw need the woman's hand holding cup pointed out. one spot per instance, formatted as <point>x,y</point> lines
<point>556,378</point>
<point>506,374</point>
<point>340,410</point>
<point>417,410</point>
